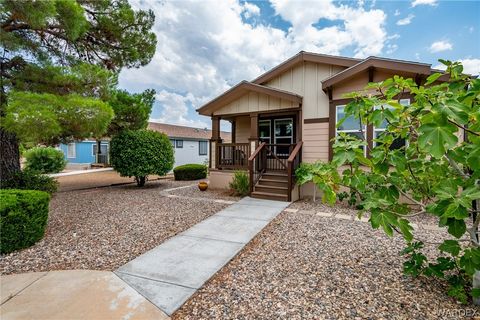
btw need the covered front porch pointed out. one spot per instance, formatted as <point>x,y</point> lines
<point>266,138</point>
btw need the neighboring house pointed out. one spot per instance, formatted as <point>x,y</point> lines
<point>293,109</point>
<point>191,145</point>
<point>85,152</point>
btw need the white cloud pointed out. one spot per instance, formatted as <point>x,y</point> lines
<point>175,109</point>
<point>396,13</point>
<point>439,46</point>
<point>206,47</point>
<point>250,10</point>
<point>424,2</point>
<point>407,20</point>
<point>470,66</point>
<point>391,48</point>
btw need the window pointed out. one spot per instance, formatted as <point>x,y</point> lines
<point>179,143</point>
<point>381,130</point>
<point>283,135</point>
<point>202,148</point>
<point>350,125</point>
<point>103,149</point>
<point>264,131</point>
<point>71,152</point>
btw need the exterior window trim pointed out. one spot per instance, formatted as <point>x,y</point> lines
<point>71,146</point>
<point>269,137</point>
<point>349,130</point>
<point>200,143</point>
<point>179,144</point>
<point>377,130</point>
<point>275,137</point>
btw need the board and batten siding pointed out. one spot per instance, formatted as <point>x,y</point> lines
<point>255,102</point>
<point>315,142</point>
<point>242,129</point>
<point>305,79</point>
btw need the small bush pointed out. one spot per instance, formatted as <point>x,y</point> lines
<point>29,180</point>
<point>45,160</point>
<point>240,184</point>
<point>140,153</point>
<point>190,172</point>
<point>23,218</point>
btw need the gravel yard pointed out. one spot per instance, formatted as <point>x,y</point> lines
<point>307,266</point>
<point>194,192</point>
<point>103,228</point>
<point>309,205</point>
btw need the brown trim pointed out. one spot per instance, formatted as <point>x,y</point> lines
<point>300,125</point>
<point>371,74</point>
<point>234,131</point>
<point>241,89</point>
<point>382,63</point>
<point>210,155</point>
<point>276,112</point>
<point>215,129</point>
<point>305,56</point>
<point>331,128</point>
<point>317,120</point>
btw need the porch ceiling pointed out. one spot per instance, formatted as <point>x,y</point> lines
<point>241,89</point>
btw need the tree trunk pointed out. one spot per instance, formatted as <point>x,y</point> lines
<point>9,155</point>
<point>140,181</point>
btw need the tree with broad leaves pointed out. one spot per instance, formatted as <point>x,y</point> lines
<point>64,53</point>
<point>435,170</point>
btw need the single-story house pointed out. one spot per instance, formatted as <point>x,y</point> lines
<point>84,153</point>
<point>289,114</point>
<point>191,145</point>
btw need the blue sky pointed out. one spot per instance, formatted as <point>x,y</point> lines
<point>205,47</point>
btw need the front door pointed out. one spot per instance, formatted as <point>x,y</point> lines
<point>279,132</point>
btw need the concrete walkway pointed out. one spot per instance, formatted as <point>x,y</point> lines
<point>76,172</point>
<point>170,273</point>
<point>72,294</point>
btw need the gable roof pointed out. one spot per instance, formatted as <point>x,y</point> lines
<point>174,131</point>
<point>305,56</point>
<point>380,63</point>
<point>242,88</point>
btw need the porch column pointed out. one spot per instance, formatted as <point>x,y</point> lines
<point>234,131</point>
<point>214,140</point>
<point>253,132</point>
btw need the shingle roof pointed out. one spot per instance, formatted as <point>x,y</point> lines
<point>174,131</point>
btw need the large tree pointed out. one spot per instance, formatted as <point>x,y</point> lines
<point>70,51</point>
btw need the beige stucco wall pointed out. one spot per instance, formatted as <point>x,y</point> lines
<point>255,102</point>
<point>305,79</point>
<point>315,142</point>
<point>242,129</point>
<point>219,179</point>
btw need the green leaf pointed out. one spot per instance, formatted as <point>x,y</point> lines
<point>437,138</point>
<point>470,261</point>
<point>406,229</point>
<point>450,246</point>
<point>476,292</point>
<point>456,227</point>
<point>384,219</point>
<point>432,78</point>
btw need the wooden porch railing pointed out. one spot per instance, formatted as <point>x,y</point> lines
<point>232,156</point>
<point>257,164</point>
<point>293,162</point>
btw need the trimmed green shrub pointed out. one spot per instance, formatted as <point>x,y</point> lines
<point>45,160</point>
<point>23,218</point>
<point>140,153</point>
<point>190,172</point>
<point>240,183</point>
<point>30,180</point>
